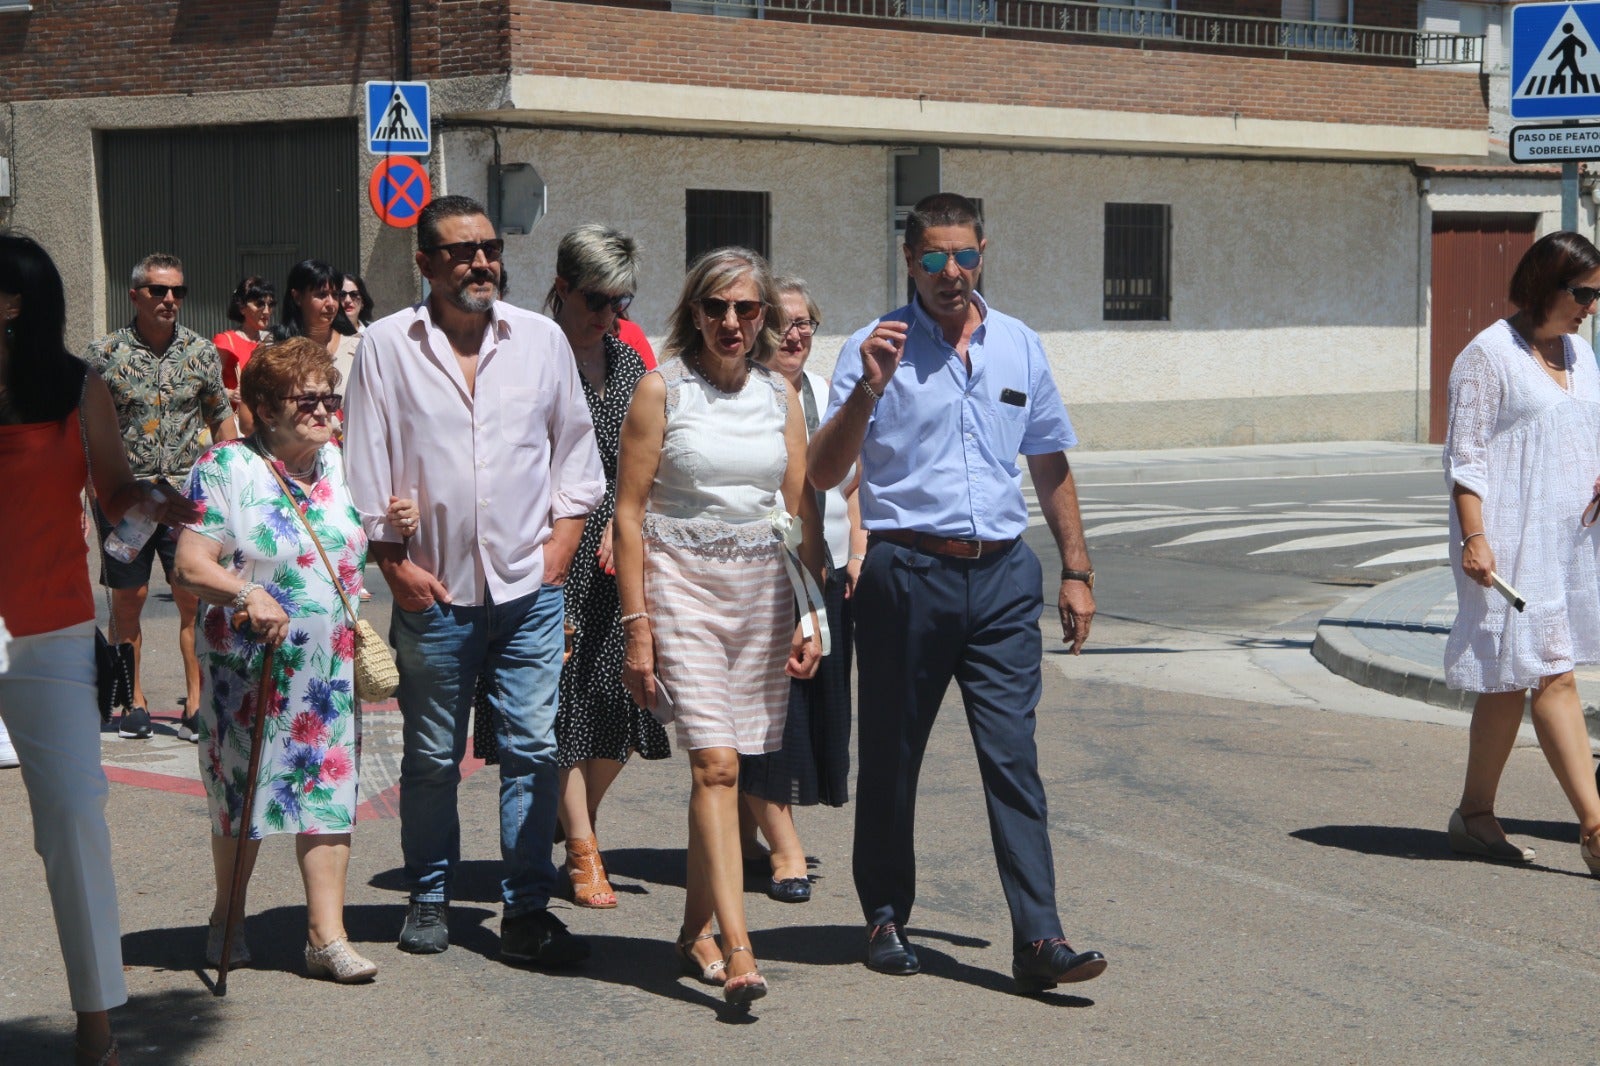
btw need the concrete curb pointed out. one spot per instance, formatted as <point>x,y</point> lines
<point>1254,461</point>
<point>1338,648</point>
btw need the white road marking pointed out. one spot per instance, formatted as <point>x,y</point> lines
<point>1427,553</point>
<point>1344,540</point>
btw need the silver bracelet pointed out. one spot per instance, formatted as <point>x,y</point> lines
<point>858,557</point>
<point>1469,536</point>
<point>635,615</point>
<point>244,594</point>
<point>876,396</point>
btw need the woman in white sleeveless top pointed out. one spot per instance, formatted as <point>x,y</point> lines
<point>1521,457</point>
<point>711,473</point>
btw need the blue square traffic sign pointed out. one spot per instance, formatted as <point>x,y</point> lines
<point>399,119</point>
<point>1555,63</point>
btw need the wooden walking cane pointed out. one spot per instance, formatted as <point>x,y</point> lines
<point>264,703</point>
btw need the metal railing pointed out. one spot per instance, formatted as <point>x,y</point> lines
<point>1085,18</point>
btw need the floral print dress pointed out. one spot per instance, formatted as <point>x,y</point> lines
<point>311,738</point>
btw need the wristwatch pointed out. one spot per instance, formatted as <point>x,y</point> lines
<point>1086,576</point>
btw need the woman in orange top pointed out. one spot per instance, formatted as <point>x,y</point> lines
<point>251,306</point>
<point>47,689</point>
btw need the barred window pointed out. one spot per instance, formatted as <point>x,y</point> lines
<point>1138,276</point>
<point>716,218</point>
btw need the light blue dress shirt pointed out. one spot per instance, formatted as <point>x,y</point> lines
<point>940,455</point>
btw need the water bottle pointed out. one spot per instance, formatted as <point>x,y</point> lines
<point>124,542</point>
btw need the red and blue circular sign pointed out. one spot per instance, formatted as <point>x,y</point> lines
<point>399,190</point>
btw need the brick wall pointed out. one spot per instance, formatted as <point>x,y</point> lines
<point>565,39</point>
<point>76,48</point>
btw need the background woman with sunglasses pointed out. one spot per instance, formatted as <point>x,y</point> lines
<point>250,552</point>
<point>251,307</point>
<point>1521,457</point>
<point>713,471</point>
<point>355,302</point>
<point>598,725</point>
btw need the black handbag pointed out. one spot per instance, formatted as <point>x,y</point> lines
<point>113,663</point>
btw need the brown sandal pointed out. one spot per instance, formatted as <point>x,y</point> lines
<point>588,874</point>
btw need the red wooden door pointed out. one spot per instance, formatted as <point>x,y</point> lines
<point>1473,257</point>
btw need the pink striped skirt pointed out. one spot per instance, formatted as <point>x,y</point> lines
<point>722,614</point>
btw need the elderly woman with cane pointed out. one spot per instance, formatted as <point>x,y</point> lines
<point>280,543</point>
<point>1521,456</point>
<point>58,426</point>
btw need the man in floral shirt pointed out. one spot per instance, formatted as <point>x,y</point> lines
<point>167,383</point>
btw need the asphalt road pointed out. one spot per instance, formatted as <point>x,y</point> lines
<point>1256,844</point>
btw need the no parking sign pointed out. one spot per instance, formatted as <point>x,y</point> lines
<point>399,190</point>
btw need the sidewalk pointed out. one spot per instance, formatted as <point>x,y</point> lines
<point>1391,637</point>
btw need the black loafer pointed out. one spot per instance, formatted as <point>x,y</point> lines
<point>1044,964</point>
<point>889,952</point>
<point>540,938</point>
<point>790,890</point>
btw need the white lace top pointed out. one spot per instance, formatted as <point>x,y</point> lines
<point>722,461</point>
<point>1531,450</point>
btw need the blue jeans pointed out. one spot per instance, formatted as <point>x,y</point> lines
<point>441,652</point>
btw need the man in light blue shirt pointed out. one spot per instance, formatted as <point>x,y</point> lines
<point>938,399</point>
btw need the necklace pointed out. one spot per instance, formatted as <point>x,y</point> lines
<point>738,388</point>
<point>298,475</point>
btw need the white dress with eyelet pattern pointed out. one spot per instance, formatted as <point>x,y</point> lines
<point>721,609</point>
<point>1531,450</point>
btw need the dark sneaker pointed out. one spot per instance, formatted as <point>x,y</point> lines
<point>134,724</point>
<point>540,938</point>
<point>189,729</point>
<point>1044,964</point>
<point>427,928</point>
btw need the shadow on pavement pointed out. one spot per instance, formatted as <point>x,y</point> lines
<point>165,1027</point>
<point>471,881</point>
<point>1407,842</point>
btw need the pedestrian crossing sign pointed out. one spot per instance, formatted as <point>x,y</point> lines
<point>399,118</point>
<point>1555,63</point>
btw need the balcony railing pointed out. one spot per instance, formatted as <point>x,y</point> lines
<point>1084,18</point>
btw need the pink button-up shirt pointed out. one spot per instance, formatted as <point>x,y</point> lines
<point>492,468</point>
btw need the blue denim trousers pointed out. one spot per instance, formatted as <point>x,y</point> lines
<point>441,652</point>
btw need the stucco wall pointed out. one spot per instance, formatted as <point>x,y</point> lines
<point>1295,296</point>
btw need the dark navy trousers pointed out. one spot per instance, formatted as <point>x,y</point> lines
<point>922,620</point>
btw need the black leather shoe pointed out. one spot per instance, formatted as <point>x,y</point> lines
<point>427,928</point>
<point>540,938</point>
<point>1044,964</point>
<point>889,952</point>
<point>790,890</point>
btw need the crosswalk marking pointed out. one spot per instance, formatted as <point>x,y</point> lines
<point>1426,553</point>
<point>1347,540</point>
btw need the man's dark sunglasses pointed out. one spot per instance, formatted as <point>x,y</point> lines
<point>966,259</point>
<point>1583,294</point>
<point>308,402</point>
<point>467,251</point>
<point>594,301</point>
<point>159,292</point>
<point>716,309</point>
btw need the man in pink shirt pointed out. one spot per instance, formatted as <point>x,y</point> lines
<point>474,408</point>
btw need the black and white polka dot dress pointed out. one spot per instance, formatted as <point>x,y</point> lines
<point>597,718</point>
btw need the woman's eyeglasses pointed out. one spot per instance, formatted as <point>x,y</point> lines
<point>266,303</point>
<point>310,401</point>
<point>717,310</point>
<point>966,259</point>
<point>350,296</point>
<point>595,301</point>
<point>803,326</point>
<point>1582,293</point>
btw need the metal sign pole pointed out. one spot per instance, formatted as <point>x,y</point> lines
<point>1569,196</point>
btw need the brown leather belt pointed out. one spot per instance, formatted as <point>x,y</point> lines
<point>954,547</point>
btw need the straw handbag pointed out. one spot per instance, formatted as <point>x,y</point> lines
<point>377,676</point>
